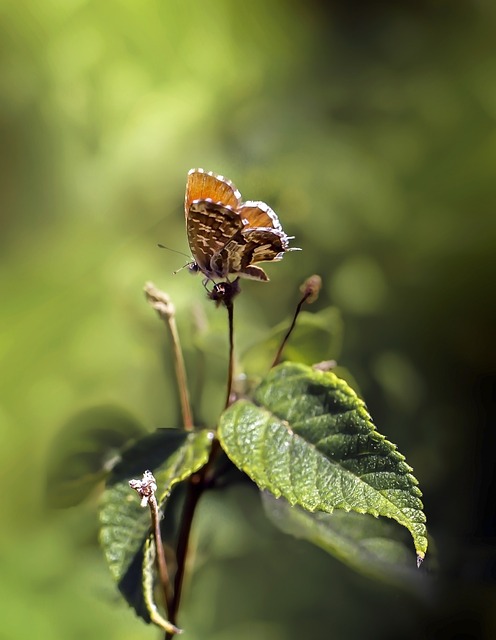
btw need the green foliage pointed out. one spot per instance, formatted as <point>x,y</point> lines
<point>310,439</point>
<point>172,456</point>
<point>370,133</point>
<point>372,546</point>
<point>305,436</point>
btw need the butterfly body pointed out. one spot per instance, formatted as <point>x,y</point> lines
<point>227,236</point>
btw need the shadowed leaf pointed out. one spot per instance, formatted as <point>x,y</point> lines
<point>375,547</point>
<point>172,456</point>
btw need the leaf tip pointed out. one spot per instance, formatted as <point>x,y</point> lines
<point>420,558</point>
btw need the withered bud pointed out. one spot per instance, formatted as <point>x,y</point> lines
<point>145,487</point>
<point>160,301</point>
<point>311,288</point>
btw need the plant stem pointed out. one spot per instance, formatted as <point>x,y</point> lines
<point>181,376</point>
<point>159,548</point>
<point>146,488</point>
<point>193,494</point>
<point>310,290</point>
<point>161,302</point>
<point>196,486</point>
<point>289,331</point>
<point>230,373</point>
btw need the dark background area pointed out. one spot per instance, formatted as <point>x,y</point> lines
<point>369,128</point>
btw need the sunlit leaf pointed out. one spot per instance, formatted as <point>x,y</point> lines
<point>311,440</point>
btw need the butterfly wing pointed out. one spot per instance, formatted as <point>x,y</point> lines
<point>259,214</point>
<point>211,228</point>
<point>264,245</point>
<point>203,185</point>
<point>225,235</point>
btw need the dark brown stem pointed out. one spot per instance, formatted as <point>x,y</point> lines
<point>290,330</point>
<point>222,293</point>
<point>193,494</point>
<point>196,486</point>
<point>230,372</point>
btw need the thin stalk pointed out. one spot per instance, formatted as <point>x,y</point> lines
<point>161,302</point>
<point>310,289</point>
<point>230,371</point>
<point>159,548</point>
<point>146,488</point>
<point>289,331</point>
<point>181,376</point>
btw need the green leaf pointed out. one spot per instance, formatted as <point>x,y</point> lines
<point>375,547</point>
<point>316,337</point>
<point>172,456</point>
<point>311,440</point>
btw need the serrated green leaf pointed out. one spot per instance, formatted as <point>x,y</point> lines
<point>311,440</point>
<point>172,456</point>
<point>317,336</point>
<point>372,546</point>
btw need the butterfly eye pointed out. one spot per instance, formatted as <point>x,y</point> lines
<point>193,268</point>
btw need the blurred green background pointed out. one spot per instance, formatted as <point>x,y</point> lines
<point>369,127</point>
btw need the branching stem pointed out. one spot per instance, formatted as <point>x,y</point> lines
<point>223,293</point>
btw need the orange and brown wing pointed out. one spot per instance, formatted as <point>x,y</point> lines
<point>203,185</point>
<point>259,214</point>
<point>227,236</point>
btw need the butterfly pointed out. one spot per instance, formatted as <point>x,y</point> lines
<point>227,236</point>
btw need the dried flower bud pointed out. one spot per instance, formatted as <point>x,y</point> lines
<point>311,288</point>
<point>160,301</point>
<point>145,487</point>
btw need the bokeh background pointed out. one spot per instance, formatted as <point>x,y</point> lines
<point>369,127</point>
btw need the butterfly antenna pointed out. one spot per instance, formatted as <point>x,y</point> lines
<point>181,253</point>
<point>181,268</point>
